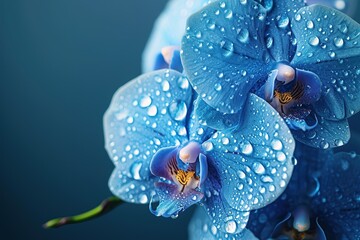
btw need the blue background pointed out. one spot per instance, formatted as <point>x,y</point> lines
<point>60,63</point>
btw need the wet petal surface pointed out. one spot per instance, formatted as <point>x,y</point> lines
<point>224,52</point>
<point>145,115</point>
<point>328,46</point>
<point>254,161</point>
<point>169,29</point>
<point>202,228</point>
<point>327,134</point>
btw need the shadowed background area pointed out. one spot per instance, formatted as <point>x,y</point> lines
<point>60,63</point>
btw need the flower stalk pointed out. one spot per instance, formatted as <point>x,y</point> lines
<point>104,207</point>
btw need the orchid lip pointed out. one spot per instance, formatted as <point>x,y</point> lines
<point>184,170</point>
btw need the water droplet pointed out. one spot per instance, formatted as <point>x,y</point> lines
<point>211,25</point>
<point>280,156</point>
<point>241,174</point>
<point>227,48</point>
<point>165,86</point>
<point>228,14</point>
<point>198,34</point>
<point>266,179</point>
<point>258,168</point>
<point>297,17</point>
<point>283,22</point>
<point>310,24</point>
<point>143,199</point>
<point>324,145</point>
<point>339,142</point>
<point>213,230</point>
<point>332,54</point>
<point>339,42</point>
<point>208,146</point>
<point>268,4</point>
<point>218,87</point>
<point>183,83</point>
<point>145,101</point>
<point>152,111</point>
<point>231,226</point>
<point>243,35</point>
<point>269,42</point>
<point>178,110</point>
<point>130,120</point>
<point>182,131</point>
<point>276,144</point>
<point>243,2</point>
<point>135,170</point>
<point>343,28</point>
<point>314,41</point>
<point>225,141</point>
<point>246,148</point>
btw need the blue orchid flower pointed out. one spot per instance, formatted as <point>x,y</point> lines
<point>163,155</point>
<point>321,201</point>
<point>346,6</point>
<point>202,228</point>
<point>304,60</point>
<point>163,47</point>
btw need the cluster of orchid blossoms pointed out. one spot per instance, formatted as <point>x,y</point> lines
<point>240,111</point>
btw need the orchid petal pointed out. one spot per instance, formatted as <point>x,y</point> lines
<point>214,119</point>
<point>140,121</point>
<point>203,168</point>
<point>224,52</point>
<point>172,201</point>
<point>279,38</point>
<point>131,188</point>
<point>331,52</point>
<point>347,6</point>
<point>254,160</point>
<point>160,161</point>
<point>202,228</point>
<point>169,28</point>
<point>339,198</point>
<point>326,134</point>
<point>223,216</point>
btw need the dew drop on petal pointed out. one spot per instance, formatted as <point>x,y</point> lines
<point>339,42</point>
<point>324,145</point>
<point>165,86</point>
<point>283,22</point>
<point>218,87</point>
<point>178,110</point>
<point>135,170</point>
<point>183,83</point>
<point>314,41</point>
<point>208,146</point>
<point>246,148</point>
<point>230,226</point>
<point>266,179</point>
<point>276,145</point>
<point>145,101</point>
<point>310,24</point>
<point>143,198</point>
<point>280,156</point>
<point>258,168</point>
<point>243,35</point>
<point>152,111</point>
<point>225,141</point>
<point>227,48</point>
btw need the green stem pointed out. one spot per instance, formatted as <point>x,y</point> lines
<point>105,206</point>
